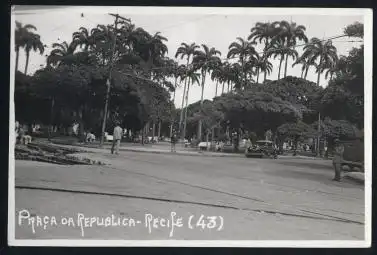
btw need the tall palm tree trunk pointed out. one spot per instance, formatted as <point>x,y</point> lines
<point>319,70</point>
<point>257,75</point>
<point>302,73</point>
<point>201,106</point>
<point>212,137</point>
<point>159,130</point>
<point>153,130</point>
<point>207,140</point>
<point>306,72</point>
<point>51,117</point>
<point>183,99</point>
<point>286,66</point>
<point>217,85</point>
<point>265,76</point>
<point>222,91</point>
<point>17,57</point>
<point>27,61</point>
<point>228,86</point>
<point>185,116</point>
<point>244,72</point>
<point>281,61</point>
<point>172,116</point>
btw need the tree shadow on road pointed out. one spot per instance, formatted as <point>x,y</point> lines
<point>310,165</point>
<point>306,173</point>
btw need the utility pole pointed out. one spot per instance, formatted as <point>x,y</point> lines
<point>108,82</point>
<point>319,130</point>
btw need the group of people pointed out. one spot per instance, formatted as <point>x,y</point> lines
<point>22,137</point>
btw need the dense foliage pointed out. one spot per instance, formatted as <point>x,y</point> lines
<point>72,86</point>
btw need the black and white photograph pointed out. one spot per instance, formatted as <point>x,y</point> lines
<point>190,126</point>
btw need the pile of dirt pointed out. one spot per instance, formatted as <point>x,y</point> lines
<point>50,153</point>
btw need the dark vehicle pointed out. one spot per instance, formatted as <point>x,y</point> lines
<point>353,155</point>
<point>261,148</point>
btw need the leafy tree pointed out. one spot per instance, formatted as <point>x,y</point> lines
<point>250,107</point>
<point>295,131</point>
<point>343,98</point>
<point>355,30</point>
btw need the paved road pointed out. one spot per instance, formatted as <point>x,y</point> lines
<point>257,199</point>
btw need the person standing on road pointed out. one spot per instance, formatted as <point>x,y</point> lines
<point>173,141</point>
<point>117,136</point>
<point>337,160</point>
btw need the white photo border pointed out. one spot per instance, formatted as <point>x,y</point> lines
<point>368,100</point>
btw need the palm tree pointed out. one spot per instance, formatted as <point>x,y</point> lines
<point>216,75</point>
<point>60,53</point>
<point>21,35</point>
<point>290,34</point>
<point>185,50</point>
<point>178,73</point>
<point>192,78</point>
<point>304,66</point>
<point>325,52</point>
<point>332,68</point>
<point>226,70</point>
<point>235,76</point>
<point>262,64</point>
<point>263,32</point>
<point>206,60</point>
<point>83,38</point>
<point>245,51</point>
<point>277,49</point>
<point>33,42</point>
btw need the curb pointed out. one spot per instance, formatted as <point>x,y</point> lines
<point>198,154</point>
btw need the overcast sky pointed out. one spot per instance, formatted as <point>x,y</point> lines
<point>215,29</point>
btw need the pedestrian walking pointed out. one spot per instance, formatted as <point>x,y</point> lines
<point>173,141</point>
<point>117,136</point>
<point>337,160</point>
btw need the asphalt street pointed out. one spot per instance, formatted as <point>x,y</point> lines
<point>212,197</point>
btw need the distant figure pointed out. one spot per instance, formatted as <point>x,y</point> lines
<point>117,136</point>
<point>17,126</point>
<point>337,160</point>
<point>173,141</point>
<point>90,137</point>
<point>21,134</point>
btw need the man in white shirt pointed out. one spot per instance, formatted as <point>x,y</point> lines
<point>117,136</point>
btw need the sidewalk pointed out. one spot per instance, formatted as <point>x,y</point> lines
<point>180,150</point>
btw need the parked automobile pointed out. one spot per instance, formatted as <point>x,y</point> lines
<point>353,155</point>
<point>109,138</point>
<point>204,145</point>
<point>261,148</point>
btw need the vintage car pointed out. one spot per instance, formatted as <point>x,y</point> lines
<point>261,148</point>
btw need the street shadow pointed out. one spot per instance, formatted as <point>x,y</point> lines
<point>321,177</point>
<point>299,174</point>
<point>311,165</point>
